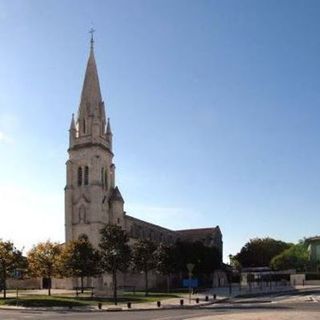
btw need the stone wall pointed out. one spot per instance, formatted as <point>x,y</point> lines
<point>33,283</point>
<point>139,229</point>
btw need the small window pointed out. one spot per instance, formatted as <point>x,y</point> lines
<point>102,177</point>
<point>86,175</point>
<point>79,176</point>
<point>118,220</point>
<point>106,179</point>
<point>84,126</point>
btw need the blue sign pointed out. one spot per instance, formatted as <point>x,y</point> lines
<point>190,283</point>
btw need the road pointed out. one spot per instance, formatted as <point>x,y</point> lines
<point>278,307</point>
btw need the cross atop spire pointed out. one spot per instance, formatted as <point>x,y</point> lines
<point>92,31</point>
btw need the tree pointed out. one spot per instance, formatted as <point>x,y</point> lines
<point>143,258</point>
<point>234,263</point>
<point>164,261</point>
<point>115,252</point>
<point>205,259</point>
<point>79,259</point>
<point>43,261</point>
<point>10,259</point>
<point>209,258</point>
<point>295,257</point>
<point>258,252</point>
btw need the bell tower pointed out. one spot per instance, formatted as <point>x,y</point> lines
<point>91,197</point>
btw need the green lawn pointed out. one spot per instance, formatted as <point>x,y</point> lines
<point>44,301</point>
<point>65,301</point>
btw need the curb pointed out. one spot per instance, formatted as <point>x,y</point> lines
<point>261,294</point>
<point>112,309</point>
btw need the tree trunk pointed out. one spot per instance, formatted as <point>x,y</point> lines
<point>146,281</point>
<point>115,287</point>
<point>49,286</point>
<point>81,284</point>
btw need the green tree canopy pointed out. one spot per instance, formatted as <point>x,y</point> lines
<point>205,259</point>
<point>10,260</point>
<point>115,252</point>
<point>79,259</point>
<point>164,259</point>
<point>258,252</point>
<point>43,261</point>
<point>144,258</point>
<point>295,257</point>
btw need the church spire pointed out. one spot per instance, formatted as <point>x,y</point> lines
<point>91,94</point>
<point>91,109</point>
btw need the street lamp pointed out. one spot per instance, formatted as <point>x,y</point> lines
<point>114,254</point>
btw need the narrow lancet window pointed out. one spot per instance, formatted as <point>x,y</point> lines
<point>102,177</point>
<point>106,179</point>
<point>84,126</point>
<point>86,175</point>
<point>79,176</point>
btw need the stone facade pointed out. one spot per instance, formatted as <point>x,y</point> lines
<point>92,198</point>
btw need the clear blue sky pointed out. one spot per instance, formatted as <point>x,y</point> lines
<point>214,107</point>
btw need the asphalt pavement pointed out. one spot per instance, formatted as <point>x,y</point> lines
<point>303,304</point>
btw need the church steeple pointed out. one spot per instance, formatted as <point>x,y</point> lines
<point>90,168</point>
<point>91,115</point>
<point>91,93</point>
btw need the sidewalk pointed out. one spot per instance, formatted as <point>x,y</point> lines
<point>225,292</point>
<point>222,294</point>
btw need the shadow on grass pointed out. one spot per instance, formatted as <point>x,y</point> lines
<point>63,301</point>
<point>43,302</point>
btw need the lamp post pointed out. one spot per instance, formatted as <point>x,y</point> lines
<point>114,253</point>
<point>190,267</point>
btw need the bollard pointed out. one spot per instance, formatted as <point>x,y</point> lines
<point>197,300</point>
<point>214,296</point>
<point>181,302</point>
<point>158,304</point>
<point>129,305</point>
<point>207,298</point>
<point>100,305</point>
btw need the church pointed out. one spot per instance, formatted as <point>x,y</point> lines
<point>92,198</point>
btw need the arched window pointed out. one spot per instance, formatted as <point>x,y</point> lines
<point>86,175</point>
<point>79,176</point>
<point>102,177</point>
<point>82,215</point>
<point>106,179</point>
